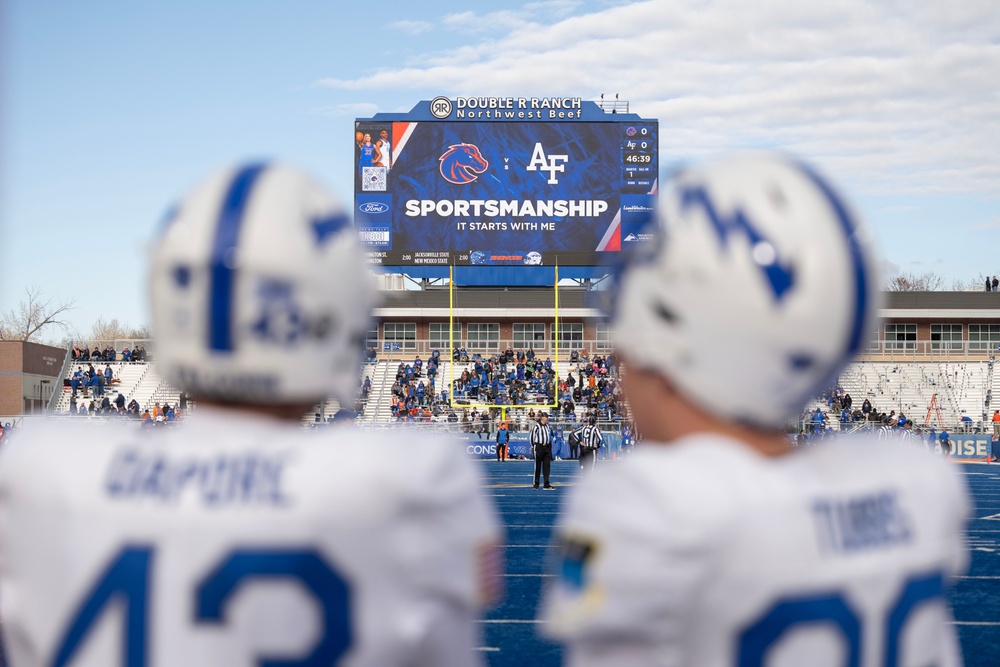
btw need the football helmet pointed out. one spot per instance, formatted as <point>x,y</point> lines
<point>260,291</point>
<point>761,288</point>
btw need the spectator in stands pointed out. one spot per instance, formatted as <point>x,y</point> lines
<point>72,403</point>
<point>818,421</point>
<point>989,284</point>
<point>845,419</point>
<point>996,284</point>
<point>996,423</point>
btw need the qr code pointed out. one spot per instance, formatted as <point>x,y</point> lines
<point>373,179</point>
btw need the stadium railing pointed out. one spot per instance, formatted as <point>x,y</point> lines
<point>404,350</point>
<point>927,350</point>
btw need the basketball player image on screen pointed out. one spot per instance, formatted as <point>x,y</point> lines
<point>385,150</point>
<point>369,154</point>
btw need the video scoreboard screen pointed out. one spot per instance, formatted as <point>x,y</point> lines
<point>503,182</point>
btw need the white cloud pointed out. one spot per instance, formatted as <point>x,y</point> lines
<point>354,109</point>
<point>412,27</point>
<point>989,224</point>
<point>894,97</point>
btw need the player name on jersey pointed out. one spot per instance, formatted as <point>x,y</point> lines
<point>244,478</point>
<point>864,522</point>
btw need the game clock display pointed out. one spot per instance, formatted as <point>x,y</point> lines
<point>639,163</point>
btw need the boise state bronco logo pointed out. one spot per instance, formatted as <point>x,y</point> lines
<point>462,163</point>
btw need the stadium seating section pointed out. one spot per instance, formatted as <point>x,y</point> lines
<point>962,390</point>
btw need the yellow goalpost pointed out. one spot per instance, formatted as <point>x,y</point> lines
<point>451,345</point>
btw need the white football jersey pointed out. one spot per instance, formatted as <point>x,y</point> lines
<point>704,553</point>
<point>241,540</point>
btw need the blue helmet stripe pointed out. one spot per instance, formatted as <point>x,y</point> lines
<point>856,334</point>
<point>220,305</point>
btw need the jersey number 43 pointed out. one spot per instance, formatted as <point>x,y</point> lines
<point>127,577</point>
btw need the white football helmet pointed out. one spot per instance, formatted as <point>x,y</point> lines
<point>763,287</point>
<point>260,290</point>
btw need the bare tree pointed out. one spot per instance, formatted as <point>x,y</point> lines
<point>34,314</point>
<point>103,331</point>
<point>911,282</point>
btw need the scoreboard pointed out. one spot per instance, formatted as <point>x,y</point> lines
<point>503,182</point>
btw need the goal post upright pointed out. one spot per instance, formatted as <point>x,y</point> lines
<point>451,342</point>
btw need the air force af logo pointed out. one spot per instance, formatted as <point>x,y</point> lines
<point>550,163</point>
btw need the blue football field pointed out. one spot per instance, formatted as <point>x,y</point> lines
<point>511,636</point>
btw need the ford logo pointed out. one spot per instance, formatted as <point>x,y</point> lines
<point>373,207</point>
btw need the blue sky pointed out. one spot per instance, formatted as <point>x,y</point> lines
<point>111,110</point>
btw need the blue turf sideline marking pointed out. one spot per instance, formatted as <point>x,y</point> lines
<point>986,623</point>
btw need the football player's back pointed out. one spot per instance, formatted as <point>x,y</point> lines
<point>713,569</point>
<point>231,538</point>
<point>236,537</point>
<point>720,543</point>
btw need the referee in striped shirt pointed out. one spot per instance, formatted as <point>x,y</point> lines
<point>540,438</point>
<point>590,441</point>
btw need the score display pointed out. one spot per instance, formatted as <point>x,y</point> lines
<point>503,181</point>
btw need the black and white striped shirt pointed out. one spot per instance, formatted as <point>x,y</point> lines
<point>540,434</point>
<point>590,437</point>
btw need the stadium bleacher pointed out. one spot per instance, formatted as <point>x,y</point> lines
<point>959,389</point>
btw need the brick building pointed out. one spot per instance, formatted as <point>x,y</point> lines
<point>28,376</point>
